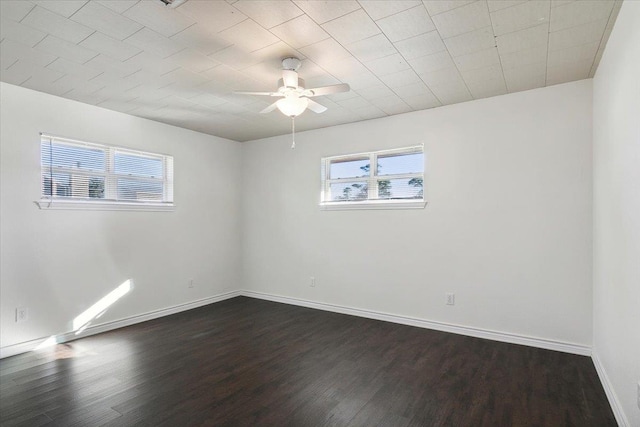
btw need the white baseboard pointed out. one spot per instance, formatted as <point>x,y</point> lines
<point>616,407</point>
<point>565,347</point>
<point>23,347</point>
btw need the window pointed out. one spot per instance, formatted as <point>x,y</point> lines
<point>381,179</point>
<point>84,175</point>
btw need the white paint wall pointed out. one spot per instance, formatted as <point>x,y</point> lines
<point>508,226</point>
<point>58,263</point>
<point>616,229</point>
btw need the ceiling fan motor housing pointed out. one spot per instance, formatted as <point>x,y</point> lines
<point>291,64</point>
<point>282,88</point>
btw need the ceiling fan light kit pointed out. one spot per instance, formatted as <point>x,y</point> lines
<point>295,97</point>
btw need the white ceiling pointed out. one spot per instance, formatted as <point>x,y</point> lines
<point>180,66</point>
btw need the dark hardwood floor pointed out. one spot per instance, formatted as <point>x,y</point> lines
<point>247,362</point>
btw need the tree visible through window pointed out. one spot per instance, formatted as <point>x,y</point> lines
<point>397,175</point>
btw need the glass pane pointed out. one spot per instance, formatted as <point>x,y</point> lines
<point>131,189</point>
<point>349,191</point>
<point>130,164</point>
<point>76,186</point>
<point>402,163</point>
<point>72,157</point>
<point>349,168</point>
<point>408,188</point>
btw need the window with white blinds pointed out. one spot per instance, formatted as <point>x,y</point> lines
<point>379,179</point>
<point>83,174</point>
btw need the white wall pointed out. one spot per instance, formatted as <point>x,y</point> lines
<point>616,211</point>
<point>508,226</point>
<point>58,263</point>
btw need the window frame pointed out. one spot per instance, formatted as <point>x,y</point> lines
<point>110,177</point>
<point>372,201</point>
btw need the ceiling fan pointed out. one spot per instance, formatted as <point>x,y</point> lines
<point>295,97</point>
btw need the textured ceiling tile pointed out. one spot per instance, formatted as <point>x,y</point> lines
<point>381,9</point>
<point>325,52</point>
<point>20,33</point>
<point>193,61</point>
<point>119,6</point>
<point>346,68</point>
<point>248,36</point>
<point>435,7</point>
<point>323,11</point>
<point>573,54</point>
<point>524,57</point>
<point>15,9</point>
<point>480,59</point>
<point>109,46</point>
<point>472,41</point>
<point>579,12</point>
<point>352,27</point>
<point>16,50</point>
<point>115,68</point>
<point>526,77</point>
<point>463,19</point>
<point>523,39</point>
<point>65,8</point>
<point>487,88</point>
<point>215,15</point>
<point>364,81</point>
<point>434,62</point>
<point>106,21</point>
<point>64,49</point>
<point>163,20</point>
<point>452,93</point>
<point>374,92</point>
<point>372,48</point>
<point>269,13</point>
<point>152,42</point>
<point>299,32</point>
<point>52,23</point>
<point>502,4</point>
<point>409,23</point>
<point>199,38</point>
<point>524,15</point>
<point>422,102</point>
<point>24,70</point>
<point>477,75</point>
<point>568,71</point>
<point>401,78</point>
<point>422,45</point>
<point>415,89</point>
<point>577,35</point>
<point>69,67</point>
<point>152,63</point>
<point>441,77</point>
<point>387,65</point>
<point>353,103</point>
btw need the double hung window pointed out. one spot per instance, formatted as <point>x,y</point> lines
<point>379,179</point>
<point>87,175</point>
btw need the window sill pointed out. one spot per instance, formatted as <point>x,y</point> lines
<point>104,205</point>
<point>377,204</point>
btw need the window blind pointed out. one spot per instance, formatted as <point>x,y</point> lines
<point>83,171</point>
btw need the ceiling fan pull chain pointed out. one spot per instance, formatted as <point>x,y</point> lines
<point>293,132</point>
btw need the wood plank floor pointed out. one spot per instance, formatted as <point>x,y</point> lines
<point>247,362</point>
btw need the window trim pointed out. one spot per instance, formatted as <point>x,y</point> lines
<point>372,202</point>
<point>109,203</point>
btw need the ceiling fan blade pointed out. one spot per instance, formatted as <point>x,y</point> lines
<point>327,90</point>
<point>315,107</point>
<point>290,78</point>
<point>269,109</point>
<point>259,93</point>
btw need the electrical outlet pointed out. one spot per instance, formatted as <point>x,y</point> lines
<point>312,282</point>
<point>191,284</point>
<point>22,315</point>
<point>451,299</point>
